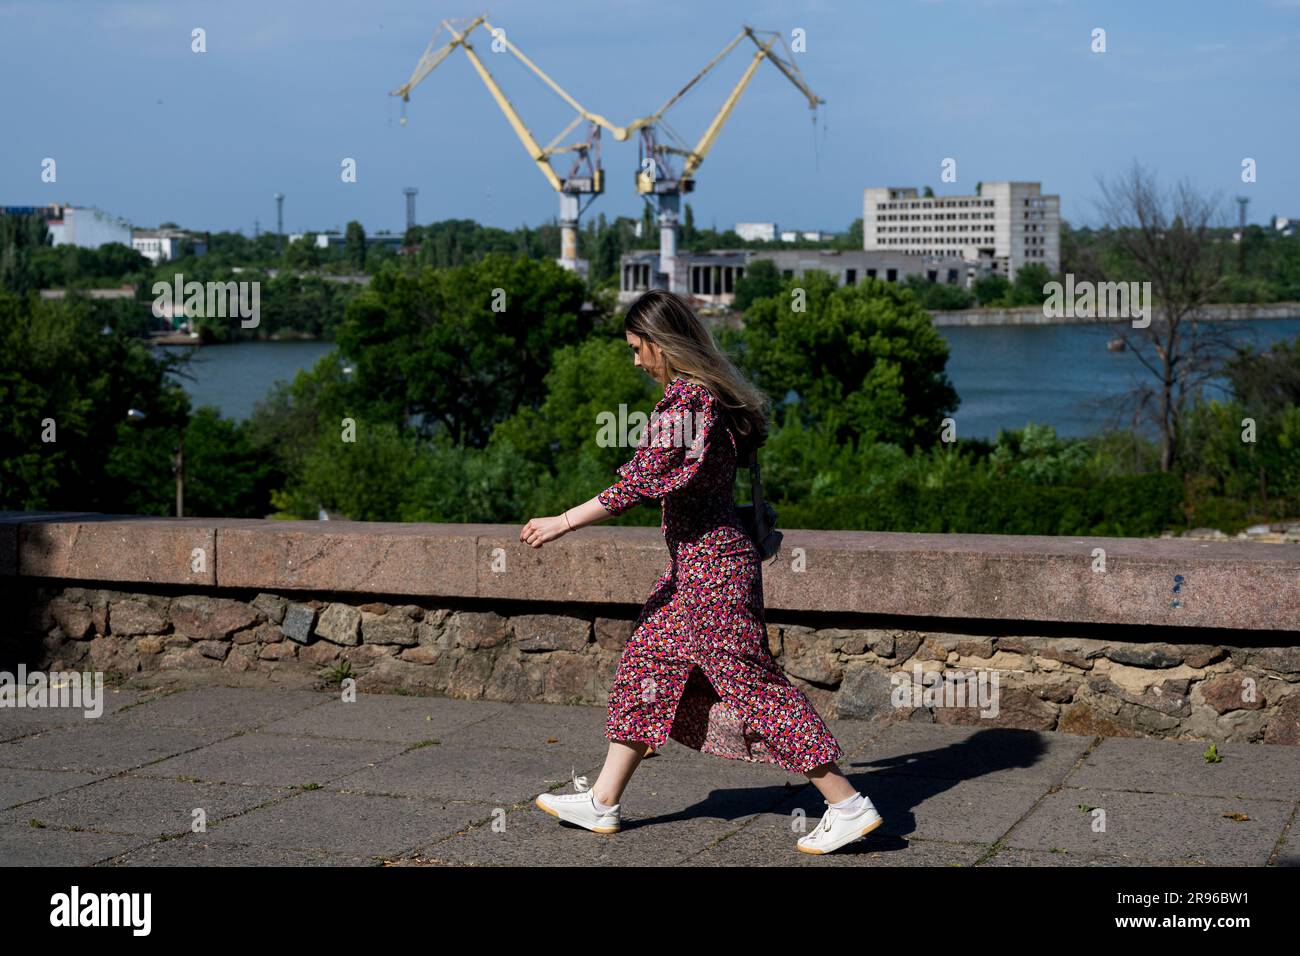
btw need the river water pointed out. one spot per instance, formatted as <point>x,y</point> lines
<point>1005,376</point>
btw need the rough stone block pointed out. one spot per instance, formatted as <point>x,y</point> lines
<point>340,624</point>
<point>299,622</point>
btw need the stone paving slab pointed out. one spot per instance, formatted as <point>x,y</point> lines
<point>397,719</point>
<point>101,746</point>
<point>354,824</point>
<point>541,733</point>
<point>769,840</point>
<point>141,805</point>
<point>1178,766</point>
<point>219,708</point>
<point>531,837</point>
<point>298,777</point>
<point>31,846</point>
<point>276,760</point>
<point>456,771</point>
<point>18,722</point>
<point>1015,856</point>
<point>20,786</point>
<point>195,849</point>
<point>1156,826</point>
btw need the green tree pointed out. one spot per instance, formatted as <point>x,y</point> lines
<point>761,279</point>
<point>354,246</point>
<point>460,349</point>
<point>66,442</point>
<point>991,289</point>
<point>20,238</point>
<point>225,476</point>
<point>649,234</point>
<point>938,295</point>
<point>1028,287</point>
<point>609,249</point>
<point>303,254</point>
<point>1266,382</point>
<point>865,361</point>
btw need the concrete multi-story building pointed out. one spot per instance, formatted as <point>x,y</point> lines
<point>83,226</point>
<point>1004,226</point>
<point>162,245</point>
<point>756,231</point>
<point>711,277</point>
<point>768,232</point>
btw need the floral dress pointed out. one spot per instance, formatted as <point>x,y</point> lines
<point>697,667</point>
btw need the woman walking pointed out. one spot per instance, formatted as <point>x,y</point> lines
<point>697,666</point>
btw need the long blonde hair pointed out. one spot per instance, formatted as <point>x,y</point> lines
<point>689,351</point>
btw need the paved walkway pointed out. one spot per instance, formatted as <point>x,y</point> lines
<point>290,777</point>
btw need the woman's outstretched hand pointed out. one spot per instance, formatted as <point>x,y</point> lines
<point>540,530</point>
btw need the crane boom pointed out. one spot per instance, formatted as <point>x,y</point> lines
<point>570,188</point>
<point>655,176</point>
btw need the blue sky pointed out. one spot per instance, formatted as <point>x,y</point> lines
<point>146,129</point>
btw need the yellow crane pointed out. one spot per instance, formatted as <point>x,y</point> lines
<point>655,175</point>
<point>586,177</point>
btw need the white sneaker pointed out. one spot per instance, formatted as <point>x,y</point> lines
<point>580,808</point>
<point>835,829</point>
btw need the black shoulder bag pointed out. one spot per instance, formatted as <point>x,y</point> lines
<point>759,518</point>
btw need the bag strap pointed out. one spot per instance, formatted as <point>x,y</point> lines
<point>756,489</point>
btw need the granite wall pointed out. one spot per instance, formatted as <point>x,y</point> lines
<point>1223,691</point>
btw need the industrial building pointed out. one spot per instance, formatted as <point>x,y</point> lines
<point>163,245</point>
<point>711,277</point>
<point>83,226</point>
<point>1003,226</point>
<point>337,240</point>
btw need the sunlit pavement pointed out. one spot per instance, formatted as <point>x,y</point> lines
<point>215,776</point>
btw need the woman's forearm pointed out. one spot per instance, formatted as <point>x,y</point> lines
<point>589,512</point>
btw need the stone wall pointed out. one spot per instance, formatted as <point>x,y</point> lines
<point>1221,692</point>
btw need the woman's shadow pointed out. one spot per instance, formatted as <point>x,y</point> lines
<point>895,784</point>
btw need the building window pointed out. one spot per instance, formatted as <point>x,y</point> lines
<point>851,277</point>
<point>891,275</point>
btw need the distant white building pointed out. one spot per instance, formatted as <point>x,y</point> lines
<point>1004,226</point>
<point>813,235</point>
<point>756,231</point>
<point>83,226</point>
<point>711,277</point>
<point>336,240</point>
<point>1286,224</point>
<point>163,245</point>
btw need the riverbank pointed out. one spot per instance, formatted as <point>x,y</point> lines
<point>1033,315</point>
<point>181,337</point>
